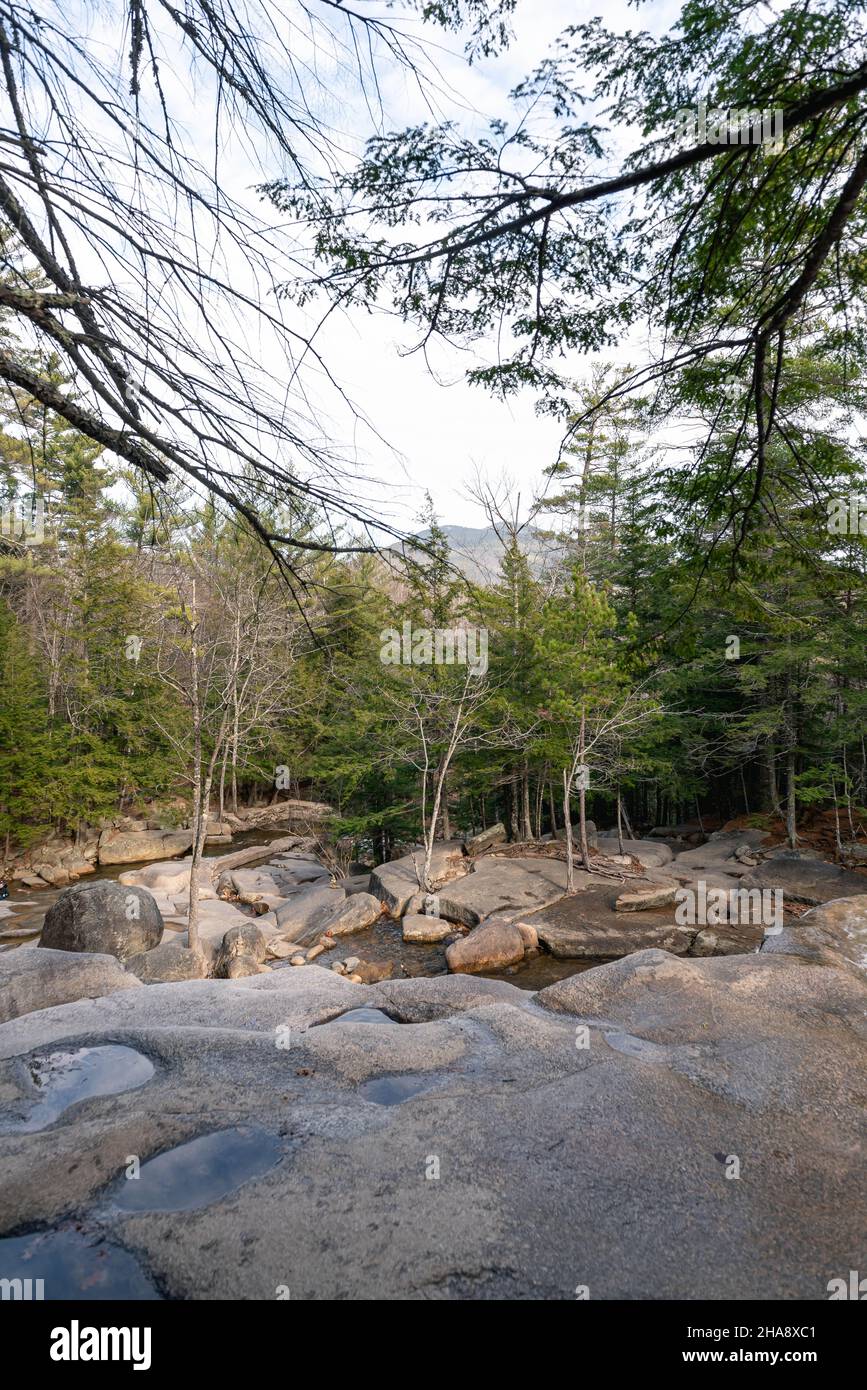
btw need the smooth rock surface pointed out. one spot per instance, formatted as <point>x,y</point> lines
<point>417,926</point>
<point>136,846</point>
<point>559,1164</point>
<point>169,961</point>
<point>833,934</point>
<point>395,882</point>
<point>807,880</point>
<point>31,980</point>
<point>504,887</point>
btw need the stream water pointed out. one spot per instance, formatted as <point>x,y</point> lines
<point>25,909</point>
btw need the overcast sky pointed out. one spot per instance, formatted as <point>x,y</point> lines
<point>444,430</point>
<point>436,432</point>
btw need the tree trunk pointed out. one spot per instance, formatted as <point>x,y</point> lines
<point>445,819</point>
<point>567,821</point>
<point>773,790</point>
<point>582,798</point>
<point>619,823</point>
<point>195,696</point>
<point>791,801</point>
<point>527,824</point>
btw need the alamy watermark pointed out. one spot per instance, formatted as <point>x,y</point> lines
<point>847,516</point>
<point>23,520</point>
<point>696,125</point>
<point>24,1290</point>
<point>438,646</point>
<point>708,907</point>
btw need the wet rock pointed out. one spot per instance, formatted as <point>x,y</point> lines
<point>103,917</point>
<point>351,961</point>
<point>31,980</point>
<point>372,972</point>
<point>418,927</point>
<point>298,959</point>
<point>491,946</point>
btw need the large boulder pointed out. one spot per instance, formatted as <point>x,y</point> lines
<point>833,934</point>
<point>588,926</point>
<point>494,835</point>
<point>356,912</point>
<point>589,826</point>
<point>492,946</point>
<point>610,941</point>
<point>504,888</point>
<point>248,942</point>
<point>31,980</point>
<point>311,903</point>
<point>138,846</point>
<point>810,881</point>
<point>396,882</point>
<point>104,917</point>
<point>651,853</point>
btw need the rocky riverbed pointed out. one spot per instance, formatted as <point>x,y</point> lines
<point>683,1121</point>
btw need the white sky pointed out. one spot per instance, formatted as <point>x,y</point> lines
<point>435,436</point>
<point>443,433</point>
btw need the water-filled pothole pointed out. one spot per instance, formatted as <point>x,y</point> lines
<point>61,1079</point>
<point>393,1090</point>
<point>362,1015</point>
<point>71,1265</point>
<point>199,1172</point>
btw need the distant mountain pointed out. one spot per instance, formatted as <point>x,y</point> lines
<point>477,551</point>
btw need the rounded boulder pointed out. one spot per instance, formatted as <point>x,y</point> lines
<point>105,917</point>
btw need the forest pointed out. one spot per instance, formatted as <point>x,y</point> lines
<point>690,685</point>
